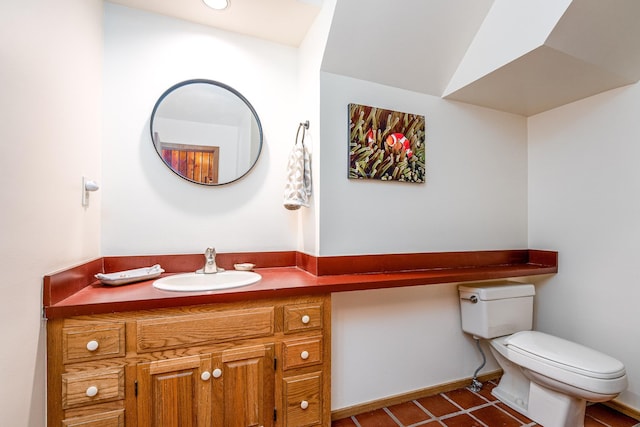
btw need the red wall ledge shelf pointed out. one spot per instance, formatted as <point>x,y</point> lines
<point>287,273</point>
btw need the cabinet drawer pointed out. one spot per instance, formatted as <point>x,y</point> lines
<point>96,386</point>
<point>303,352</point>
<point>303,400</point>
<point>188,330</point>
<point>301,317</point>
<point>92,342</point>
<point>105,419</point>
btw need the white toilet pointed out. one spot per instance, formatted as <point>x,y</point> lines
<point>546,378</point>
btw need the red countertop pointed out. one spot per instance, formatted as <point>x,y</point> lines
<point>75,292</point>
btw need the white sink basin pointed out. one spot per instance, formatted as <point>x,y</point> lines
<point>193,282</point>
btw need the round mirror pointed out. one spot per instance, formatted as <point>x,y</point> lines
<point>206,132</point>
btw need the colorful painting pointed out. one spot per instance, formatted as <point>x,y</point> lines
<point>386,145</point>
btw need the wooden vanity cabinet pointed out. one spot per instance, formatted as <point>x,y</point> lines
<point>260,363</point>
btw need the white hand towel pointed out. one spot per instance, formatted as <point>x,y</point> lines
<point>297,190</point>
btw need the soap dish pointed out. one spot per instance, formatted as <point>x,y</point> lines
<point>129,276</point>
<point>244,266</point>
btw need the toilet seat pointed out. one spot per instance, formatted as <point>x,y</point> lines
<point>565,355</point>
<point>565,362</point>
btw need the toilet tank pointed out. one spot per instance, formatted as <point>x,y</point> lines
<point>494,310</point>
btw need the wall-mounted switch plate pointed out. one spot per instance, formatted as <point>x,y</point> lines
<point>87,186</point>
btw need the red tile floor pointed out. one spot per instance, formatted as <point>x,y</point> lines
<point>464,408</point>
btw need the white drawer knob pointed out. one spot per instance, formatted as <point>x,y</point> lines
<point>304,355</point>
<point>306,319</point>
<point>304,404</point>
<point>217,373</point>
<point>92,345</point>
<point>92,391</point>
<point>205,376</point>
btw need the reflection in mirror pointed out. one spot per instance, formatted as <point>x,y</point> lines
<point>206,132</point>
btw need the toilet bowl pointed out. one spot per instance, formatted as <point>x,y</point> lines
<point>554,378</point>
<point>546,378</point>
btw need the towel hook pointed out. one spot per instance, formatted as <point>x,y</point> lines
<point>304,125</point>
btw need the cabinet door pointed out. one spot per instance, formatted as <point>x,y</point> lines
<point>243,386</point>
<point>175,392</point>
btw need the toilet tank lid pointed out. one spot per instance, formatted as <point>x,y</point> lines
<point>486,292</point>
<point>565,354</point>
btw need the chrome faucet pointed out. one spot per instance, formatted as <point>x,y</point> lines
<point>210,266</point>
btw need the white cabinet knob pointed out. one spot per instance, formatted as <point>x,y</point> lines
<point>304,355</point>
<point>217,373</point>
<point>92,345</point>
<point>205,376</point>
<point>304,404</point>
<point>92,391</point>
<point>306,319</point>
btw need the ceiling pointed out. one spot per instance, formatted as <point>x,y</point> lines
<point>281,21</point>
<point>409,44</point>
<point>423,45</point>
<point>590,46</point>
<point>593,46</point>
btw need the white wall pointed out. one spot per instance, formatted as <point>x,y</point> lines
<point>394,341</point>
<point>475,195</point>
<point>584,182</point>
<point>147,208</point>
<point>51,55</point>
<point>310,56</point>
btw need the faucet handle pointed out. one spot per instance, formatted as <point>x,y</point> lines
<point>210,262</point>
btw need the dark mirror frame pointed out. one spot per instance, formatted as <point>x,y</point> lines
<point>231,91</point>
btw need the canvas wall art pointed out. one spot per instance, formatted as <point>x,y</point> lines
<point>386,145</point>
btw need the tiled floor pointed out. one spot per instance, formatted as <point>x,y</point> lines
<point>464,408</point>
